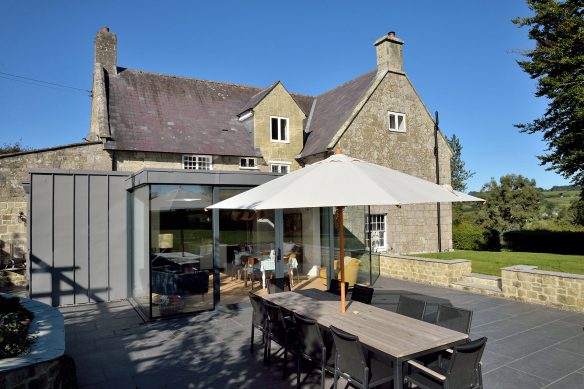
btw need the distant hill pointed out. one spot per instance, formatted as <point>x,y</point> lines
<point>561,188</point>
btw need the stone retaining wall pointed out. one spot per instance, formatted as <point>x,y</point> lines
<point>527,284</point>
<point>424,270</point>
<point>42,367</point>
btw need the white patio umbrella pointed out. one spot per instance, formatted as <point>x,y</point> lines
<point>341,181</point>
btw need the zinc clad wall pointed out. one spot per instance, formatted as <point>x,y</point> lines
<point>78,238</point>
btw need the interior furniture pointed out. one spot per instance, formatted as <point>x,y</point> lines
<point>462,370</point>
<point>361,293</point>
<point>278,285</point>
<point>411,307</point>
<point>172,283</point>
<point>352,364</point>
<point>399,337</point>
<point>351,270</point>
<point>312,348</point>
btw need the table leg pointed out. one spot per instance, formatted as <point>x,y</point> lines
<point>398,381</point>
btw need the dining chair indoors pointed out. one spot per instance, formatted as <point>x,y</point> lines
<point>313,348</point>
<point>362,294</point>
<point>461,371</point>
<point>352,365</point>
<point>411,307</point>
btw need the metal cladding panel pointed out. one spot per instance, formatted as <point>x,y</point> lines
<point>81,260</point>
<point>63,241</point>
<point>98,239</point>
<point>41,235</point>
<point>118,249</point>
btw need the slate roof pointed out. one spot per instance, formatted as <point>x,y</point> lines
<point>161,113</point>
<point>332,109</point>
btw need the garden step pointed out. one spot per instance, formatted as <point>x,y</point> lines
<point>482,279</point>
<point>478,288</point>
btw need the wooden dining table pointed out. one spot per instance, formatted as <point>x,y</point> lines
<point>399,337</point>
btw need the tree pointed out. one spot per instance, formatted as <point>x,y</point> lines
<point>510,204</point>
<point>459,175</point>
<point>9,148</point>
<point>576,212</point>
<point>458,172</point>
<point>557,63</point>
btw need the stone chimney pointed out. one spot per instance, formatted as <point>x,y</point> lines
<point>389,53</point>
<point>106,50</point>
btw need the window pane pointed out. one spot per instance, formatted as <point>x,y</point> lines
<point>392,121</point>
<point>251,162</point>
<point>274,129</point>
<point>285,169</point>
<point>275,169</point>
<point>243,162</point>
<point>283,123</point>
<point>400,120</point>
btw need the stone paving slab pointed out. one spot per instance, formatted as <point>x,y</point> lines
<point>529,346</point>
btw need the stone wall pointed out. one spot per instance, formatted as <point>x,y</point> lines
<point>424,270</point>
<point>279,103</point>
<point>527,284</point>
<point>14,170</point>
<point>411,228</point>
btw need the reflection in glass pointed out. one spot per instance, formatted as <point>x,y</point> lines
<point>357,259</point>
<point>140,276</point>
<point>181,247</point>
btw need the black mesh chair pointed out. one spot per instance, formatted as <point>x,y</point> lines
<point>362,294</point>
<point>456,319</point>
<point>277,285</point>
<point>411,307</point>
<point>259,318</point>
<point>313,348</point>
<point>335,287</point>
<point>352,364</point>
<point>461,371</point>
<point>280,330</point>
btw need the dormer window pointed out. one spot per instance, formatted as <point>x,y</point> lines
<point>397,122</point>
<point>279,129</point>
<point>247,163</point>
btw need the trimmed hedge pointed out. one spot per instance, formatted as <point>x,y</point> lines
<point>542,241</point>
<point>472,237</point>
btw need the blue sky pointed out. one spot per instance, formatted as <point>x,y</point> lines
<point>460,55</point>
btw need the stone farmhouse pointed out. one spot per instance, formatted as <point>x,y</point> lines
<point>148,120</point>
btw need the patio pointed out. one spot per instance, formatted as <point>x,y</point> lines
<point>529,346</point>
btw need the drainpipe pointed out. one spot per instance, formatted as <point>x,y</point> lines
<point>437,156</point>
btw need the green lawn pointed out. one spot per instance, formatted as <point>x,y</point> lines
<point>488,262</point>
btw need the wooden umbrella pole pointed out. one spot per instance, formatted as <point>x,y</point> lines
<point>342,259</point>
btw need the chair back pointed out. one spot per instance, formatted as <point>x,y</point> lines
<point>311,342</point>
<point>362,294</point>
<point>411,307</point>
<point>456,319</point>
<point>336,287</point>
<point>464,365</point>
<point>276,323</point>
<point>278,285</point>
<point>350,359</point>
<point>259,316</point>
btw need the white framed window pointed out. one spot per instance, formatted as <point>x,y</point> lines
<point>280,167</point>
<point>248,163</point>
<point>197,162</point>
<point>376,234</point>
<point>397,122</point>
<point>279,131</point>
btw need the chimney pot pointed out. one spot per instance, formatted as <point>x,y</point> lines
<point>105,29</point>
<point>391,34</point>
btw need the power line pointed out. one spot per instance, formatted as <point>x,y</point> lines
<point>36,82</point>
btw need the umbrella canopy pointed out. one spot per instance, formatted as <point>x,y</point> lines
<point>341,181</point>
